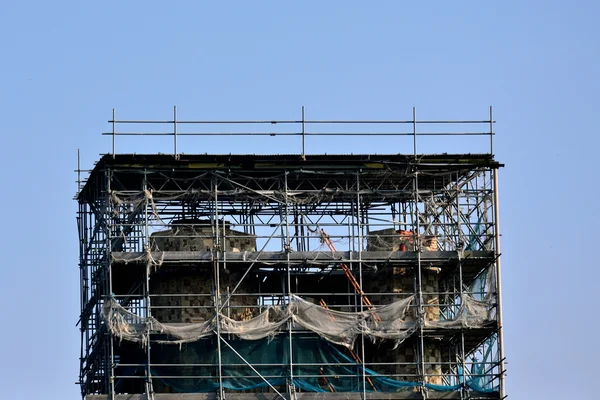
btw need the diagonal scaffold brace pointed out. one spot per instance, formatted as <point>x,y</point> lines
<point>348,272</point>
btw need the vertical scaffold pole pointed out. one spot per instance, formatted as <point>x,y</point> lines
<point>149,389</point>
<point>291,387</point>
<point>415,131</point>
<point>114,132</point>
<point>303,136</point>
<point>460,245</point>
<point>78,171</point>
<point>491,131</point>
<point>417,244</point>
<point>111,376</point>
<point>216,241</point>
<point>360,279</point>
<point>419,292</point>
<point>499,284</point>
<point>175,131</point>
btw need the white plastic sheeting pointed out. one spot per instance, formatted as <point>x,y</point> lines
<point>395,321</point>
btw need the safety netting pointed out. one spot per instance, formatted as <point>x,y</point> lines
<point>394,321</point>
<point>311,363</point>
<point>186,353</point>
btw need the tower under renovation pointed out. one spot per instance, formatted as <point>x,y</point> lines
<point>292,276</point>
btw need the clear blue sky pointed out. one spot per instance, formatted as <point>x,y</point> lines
<point>65,65</point>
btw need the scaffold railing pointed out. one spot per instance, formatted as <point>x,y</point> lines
<point>300,128</point>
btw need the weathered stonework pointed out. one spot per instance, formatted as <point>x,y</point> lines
<point>197,235</point>
<point>186,294</point>
<point>396,283</point>
<point>391,239</point>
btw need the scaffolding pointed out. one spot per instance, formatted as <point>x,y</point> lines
<point>301,276</point>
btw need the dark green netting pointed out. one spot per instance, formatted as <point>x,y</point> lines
<point>318,366</point>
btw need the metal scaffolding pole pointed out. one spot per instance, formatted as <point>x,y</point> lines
<point>303,136</point>
<point>460,247</point>
<point>360,280</point>
<point>175,131</point>
<point>109,238</point>
<point>491,131</point>
<point>499,285</point>
<point>462,332</point>
<point>421,309</point>
<point>114,132</point>
<point>216,253</point>
<point>149,386</point>
<point>417,244</point>
<point>291,387</point>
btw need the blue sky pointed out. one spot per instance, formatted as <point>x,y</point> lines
<point>65,65</point>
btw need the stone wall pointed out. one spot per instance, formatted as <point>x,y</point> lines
<point>395,283</point>
<point>191,295</point>
<point>196,235</point>
<point>185,294</point>
<point>391,239</point>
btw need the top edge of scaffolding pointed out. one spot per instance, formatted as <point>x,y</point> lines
<point>260,164</point>
<point>292,160</point>
<point>302,128</point>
